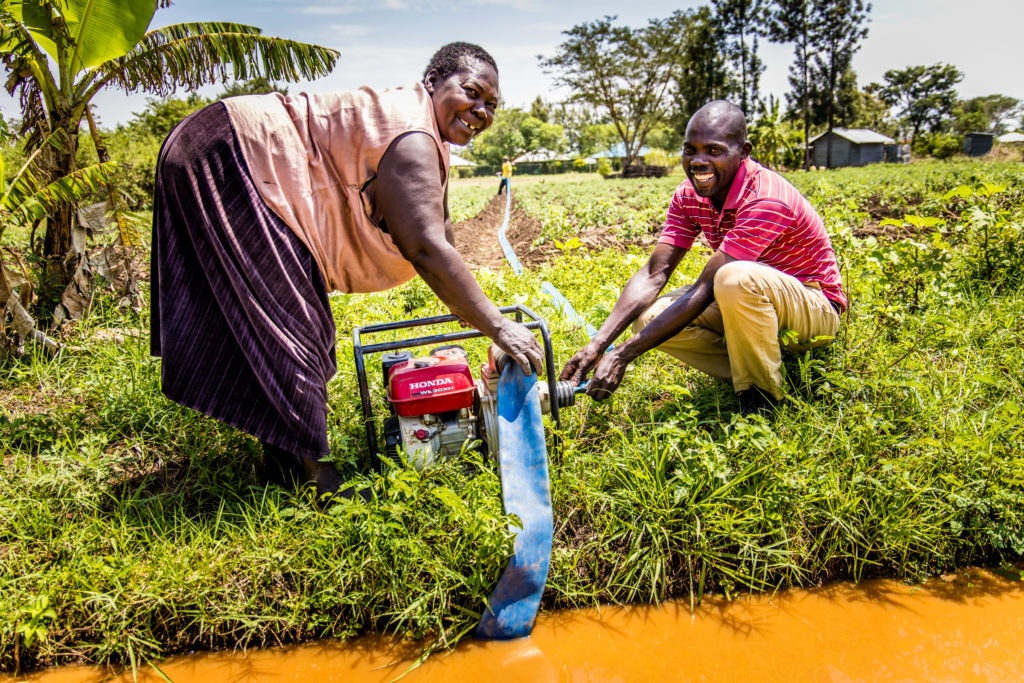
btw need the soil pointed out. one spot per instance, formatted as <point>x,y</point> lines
<point>878,210</point>
<point>476,239</point>
<point>889,233</point>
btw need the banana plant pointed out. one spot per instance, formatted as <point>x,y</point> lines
<point>23,202</point>
<point>61,53</point>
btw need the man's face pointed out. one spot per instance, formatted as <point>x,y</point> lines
<point>711,157</point>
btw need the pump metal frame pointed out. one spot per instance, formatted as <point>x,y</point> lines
<point>360,351</point>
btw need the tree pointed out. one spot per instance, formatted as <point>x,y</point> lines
<point>260,85</point>
<point>842,102</point>
<point>924,95</point>
<point>870,111</point>
<point>585,130</point>
<point>539,109</point>
<point>624,72</point>
<point>514,134</point>
<point>666,137</point>
<point>25,201</point>
<point>702,73</point>
<point>841,25</point>
<point>96,44</point>
<point>159,116</point>
<point>741,20</point>
<point>793,21</point>
<point>773,138</point>
<point>990,113</point>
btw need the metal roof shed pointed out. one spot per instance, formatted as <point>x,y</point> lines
<point>850,147</point>
<point>618,151</point>
<point>541,155</point>
<point>456,161</point>
<point>978,144</point>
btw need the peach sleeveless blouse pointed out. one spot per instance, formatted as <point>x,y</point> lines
<point>314,158</point>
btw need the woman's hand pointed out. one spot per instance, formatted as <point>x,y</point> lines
<point>520,344</point>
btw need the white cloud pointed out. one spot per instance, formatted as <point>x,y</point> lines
<point>349,30</point>
<point>331,10</point>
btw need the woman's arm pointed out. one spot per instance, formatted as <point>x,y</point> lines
<point>409,196</point>
<point>449,229</point>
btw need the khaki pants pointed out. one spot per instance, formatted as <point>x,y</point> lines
<point>753,302</point>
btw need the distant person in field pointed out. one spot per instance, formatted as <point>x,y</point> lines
<point>773,269</point>
<point>264,203</point>
<point>506,174</point>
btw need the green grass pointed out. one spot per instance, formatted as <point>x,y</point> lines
<point>131,528</point>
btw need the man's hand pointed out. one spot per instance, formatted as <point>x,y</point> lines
<point>579,365</point>
<point>520,344</point>
<point>641,290</point>
<point>608,375</point>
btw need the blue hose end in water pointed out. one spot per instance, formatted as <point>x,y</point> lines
<point>526,489</point>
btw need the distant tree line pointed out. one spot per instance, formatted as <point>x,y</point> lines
<point>638,87</point>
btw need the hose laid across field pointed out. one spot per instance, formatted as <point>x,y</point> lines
<point>561,303</point>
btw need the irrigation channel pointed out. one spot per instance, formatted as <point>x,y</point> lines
<point>966,627</point>
<point>961,627</point>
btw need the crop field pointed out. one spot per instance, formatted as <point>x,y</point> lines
<point>469,199</point>
<point>134,528</point>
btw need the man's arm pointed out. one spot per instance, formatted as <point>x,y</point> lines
<point>682,312</point>
<point>409,195</point>
<point>636,296</point>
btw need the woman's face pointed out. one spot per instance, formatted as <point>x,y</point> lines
<point>464,103</point>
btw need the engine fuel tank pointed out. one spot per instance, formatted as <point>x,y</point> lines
<point>435,384</point>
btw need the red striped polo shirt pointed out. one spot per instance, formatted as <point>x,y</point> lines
<point>764,219</point>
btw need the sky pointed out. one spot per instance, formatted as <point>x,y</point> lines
<point>388,42</point>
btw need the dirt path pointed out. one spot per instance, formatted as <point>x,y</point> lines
<point>476,239</point>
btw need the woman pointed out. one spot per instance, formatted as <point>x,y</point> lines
<point>265,202</point>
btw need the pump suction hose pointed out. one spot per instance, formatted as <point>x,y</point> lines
<point>526,489</point>
<point>565,392</point>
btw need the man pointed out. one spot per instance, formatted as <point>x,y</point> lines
<point>506,173</point>
<point>773,268</point>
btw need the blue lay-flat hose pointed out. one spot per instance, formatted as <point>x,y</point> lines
<point>561,303</point>
<point>525,485</point>
<point>526,489</point>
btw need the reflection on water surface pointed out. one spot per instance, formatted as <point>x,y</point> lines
<point>967,627</point>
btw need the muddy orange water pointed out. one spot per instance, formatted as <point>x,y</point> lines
<point>966,627</point>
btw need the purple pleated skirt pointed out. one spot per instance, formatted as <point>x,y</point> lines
<point>240,315</point>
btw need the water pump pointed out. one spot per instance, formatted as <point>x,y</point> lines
<point>437,408</point>
<point>436,405</point>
